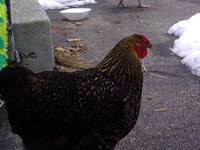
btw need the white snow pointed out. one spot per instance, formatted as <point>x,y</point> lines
<point>188,44</point>
<point>58,4</point>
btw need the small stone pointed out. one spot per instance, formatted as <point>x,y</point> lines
<point>150,97</point>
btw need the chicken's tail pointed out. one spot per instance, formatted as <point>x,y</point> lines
<point>15,90</point>
<point>12,79</point>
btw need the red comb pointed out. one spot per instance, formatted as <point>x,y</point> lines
<point>144,37</point>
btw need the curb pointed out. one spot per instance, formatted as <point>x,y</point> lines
<point>32,35</point>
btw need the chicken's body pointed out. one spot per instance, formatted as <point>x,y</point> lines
<point>139,6</point>
<point>85,110</point>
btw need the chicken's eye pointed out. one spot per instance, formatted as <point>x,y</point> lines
<point>142,43</point>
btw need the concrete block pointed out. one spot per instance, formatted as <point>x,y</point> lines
<point>32,35</point>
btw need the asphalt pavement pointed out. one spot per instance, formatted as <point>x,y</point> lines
<point>170,114</point>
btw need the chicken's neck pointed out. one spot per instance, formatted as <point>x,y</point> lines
<point>123,64</point>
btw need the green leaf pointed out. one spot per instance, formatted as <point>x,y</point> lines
<point>1,1</point>
<point>1,43</point>
<point>1,20</point>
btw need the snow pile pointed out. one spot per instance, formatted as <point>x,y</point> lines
<point>188,44</point>
<point>58,4</point>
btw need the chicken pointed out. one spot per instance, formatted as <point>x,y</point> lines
<point>91,109</point>
<point>139,6</point>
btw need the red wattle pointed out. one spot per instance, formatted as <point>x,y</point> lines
<point>144,53</point>
<point>141,53</point>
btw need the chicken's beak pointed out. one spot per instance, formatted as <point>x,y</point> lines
<point>150,46</point>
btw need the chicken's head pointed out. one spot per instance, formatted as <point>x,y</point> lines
<point>141,45</point>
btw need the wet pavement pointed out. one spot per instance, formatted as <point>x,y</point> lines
<point>170,114</point>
